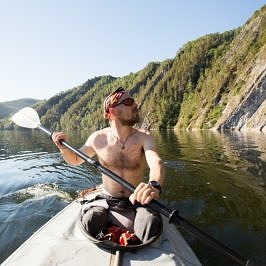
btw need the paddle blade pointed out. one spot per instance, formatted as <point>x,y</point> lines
<point>26,117</point>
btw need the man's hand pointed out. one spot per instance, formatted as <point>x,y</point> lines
<point>144,193</point>
<point>57,137</point>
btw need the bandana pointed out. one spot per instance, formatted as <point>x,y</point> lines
<point>112,99</point>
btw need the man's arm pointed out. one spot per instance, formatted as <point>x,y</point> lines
<point>69,156</point>
<point>144,193</point>
<point>154,162</point>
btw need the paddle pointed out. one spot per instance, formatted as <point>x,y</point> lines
<point>28,117</point>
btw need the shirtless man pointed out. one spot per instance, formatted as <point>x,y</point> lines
<point>123,150</point>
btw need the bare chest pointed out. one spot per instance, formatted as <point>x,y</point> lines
<point>129,157</point>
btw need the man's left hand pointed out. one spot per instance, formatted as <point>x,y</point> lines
<point>144,193</point>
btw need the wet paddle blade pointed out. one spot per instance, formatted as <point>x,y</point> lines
<point>26,117</point>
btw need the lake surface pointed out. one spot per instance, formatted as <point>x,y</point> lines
<point>216,181</point>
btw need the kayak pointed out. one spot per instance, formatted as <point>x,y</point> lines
<point>62,242</point>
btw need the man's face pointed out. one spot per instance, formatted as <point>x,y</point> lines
<point>127,110</point>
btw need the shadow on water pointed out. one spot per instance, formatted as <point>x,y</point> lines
<point>216,181</point>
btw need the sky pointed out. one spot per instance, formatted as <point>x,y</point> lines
<point>49,46</point>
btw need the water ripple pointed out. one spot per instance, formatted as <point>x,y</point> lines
<point>36,192</point>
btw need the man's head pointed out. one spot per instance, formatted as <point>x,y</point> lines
<point>118,99</point>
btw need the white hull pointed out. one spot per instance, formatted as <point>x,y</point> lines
<point>61,242</point>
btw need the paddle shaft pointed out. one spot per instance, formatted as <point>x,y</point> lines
<point>172,215</point>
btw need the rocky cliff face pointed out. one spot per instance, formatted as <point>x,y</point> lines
<point>233,93</point>
<point>247,111</point>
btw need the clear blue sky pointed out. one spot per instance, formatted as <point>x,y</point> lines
<point>50,46</point>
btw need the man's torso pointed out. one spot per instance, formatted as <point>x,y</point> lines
<point>128,162</point>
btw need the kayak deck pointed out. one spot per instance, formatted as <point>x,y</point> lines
<point>61,242</point>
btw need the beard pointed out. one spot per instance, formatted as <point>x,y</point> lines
<point>131,121</point>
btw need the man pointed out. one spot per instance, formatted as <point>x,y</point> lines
<point>122,149</point>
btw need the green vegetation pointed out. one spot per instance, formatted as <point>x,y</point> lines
<point>189,91</point>
<point>213,114</point>
<point>7,108</point>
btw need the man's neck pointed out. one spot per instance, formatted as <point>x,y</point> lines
<point>119,131</point>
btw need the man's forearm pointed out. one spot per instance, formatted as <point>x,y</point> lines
<point>70,157</point>
<point>157,171</point>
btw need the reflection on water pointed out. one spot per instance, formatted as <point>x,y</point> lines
<point>218,182</point>
<point>215,180</point>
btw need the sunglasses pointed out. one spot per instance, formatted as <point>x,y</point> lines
<point>127,102</point>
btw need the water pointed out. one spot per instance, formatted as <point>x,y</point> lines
<point>216,181</point>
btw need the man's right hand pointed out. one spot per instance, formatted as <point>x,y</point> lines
<point>57,137</point>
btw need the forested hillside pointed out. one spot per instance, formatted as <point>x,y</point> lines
<point>7,108</point>
<point>215,82</point>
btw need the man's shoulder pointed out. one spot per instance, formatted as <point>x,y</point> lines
<point>101,131</point>
<point>143,135</point>
<point>97,134</point>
